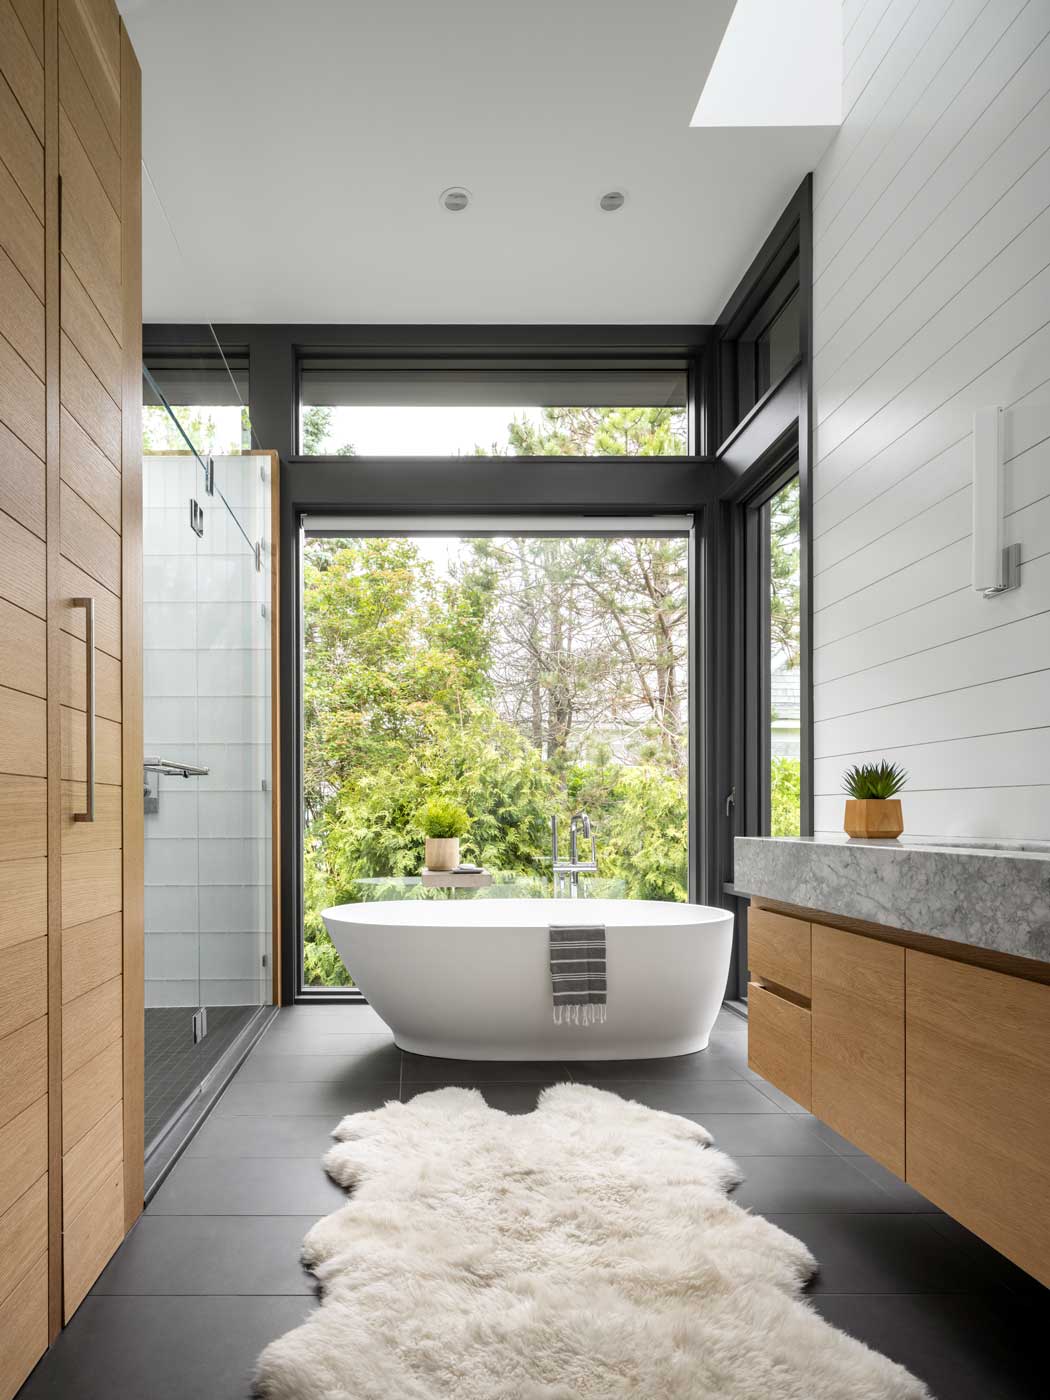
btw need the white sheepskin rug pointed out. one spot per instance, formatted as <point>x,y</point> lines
<point>587,1249</point>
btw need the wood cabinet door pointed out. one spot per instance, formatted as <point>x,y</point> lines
<point>979,1102</point>
<point>858,1041</point>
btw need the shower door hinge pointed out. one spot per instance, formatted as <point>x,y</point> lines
<point>196,517</point>
<point>209,476</point>
<point>257,550</point>
<point>200,1025</point>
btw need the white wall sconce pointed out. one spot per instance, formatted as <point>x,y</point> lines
<point>996,567</point>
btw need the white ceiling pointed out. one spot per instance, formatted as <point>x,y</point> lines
<point>295,153</point>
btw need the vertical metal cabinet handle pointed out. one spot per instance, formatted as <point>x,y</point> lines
<point>88,604</point>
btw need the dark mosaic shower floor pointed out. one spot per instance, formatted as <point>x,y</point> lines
<point>174,1065</point>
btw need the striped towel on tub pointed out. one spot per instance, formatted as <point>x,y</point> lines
<point>578,984</point>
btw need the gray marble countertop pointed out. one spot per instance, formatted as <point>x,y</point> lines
<point>994,897</point>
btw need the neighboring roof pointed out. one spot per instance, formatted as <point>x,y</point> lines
<point>786,693</point>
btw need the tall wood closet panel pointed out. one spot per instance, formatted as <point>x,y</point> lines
<point>70,529</point>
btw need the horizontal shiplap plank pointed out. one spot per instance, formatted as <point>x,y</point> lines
<point>948,379</point>
<point>21,232</point>
<point>23,816</point>
<point>963,613</point>
<point>883,282</point>
<point>80,106</point>
<point>89,1024</point>
<point>898,79</point>
<point>21,316</point>
<point>77,584</point>
<point>23,1152</point>
<point>919,157</point>
<point>90,228</point>
<point>89,473</point>
<point>89,542</point>
<point>1000,254</point>
<point>1007,650</point>
<point>23,900</point>
<point>23,649</point>
<point>31,15</point>
<point>84,396</point>
<point>74,684</point>
<point>23,984</point>
<point>91,954</point>
<point>23,1074</point>
<point>23,1236</point>
<point>1026,473</point>
<point>20,149</point>
<point>1019,702</point>
<point>24,1319</point>
<point>981,304</point>
<point>945,570</point>
<point>21,397</point>
<point>90,1091</point>
<point>863,52</point>
<point>91,885</point>
<point>996,813</point>
<point>21,66</point>
<point>85,327</point>
<point>22,478</point>
<point>88,1163</point>
<point>107,749</point>
<point>1017,759</point>
<point>1014,376</point>
<point>104,833</point>
<point>91,30</point>
<point>23,734</point>
<point>90,1238</point>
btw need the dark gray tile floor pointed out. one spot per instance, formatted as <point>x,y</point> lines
<point>210,1274</point>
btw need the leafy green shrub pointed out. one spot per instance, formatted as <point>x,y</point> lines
<point>442,818</point>
<point>877,781</point>
<point>785,797</point>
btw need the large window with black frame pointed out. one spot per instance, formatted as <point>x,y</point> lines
<point>781,644</point>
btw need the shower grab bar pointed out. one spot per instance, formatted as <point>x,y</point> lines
<point>88,604</point>
<point>173,769</point>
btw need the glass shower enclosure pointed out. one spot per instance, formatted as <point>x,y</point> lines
<point>207,769</point>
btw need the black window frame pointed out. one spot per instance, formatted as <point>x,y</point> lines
<point>727,467</point>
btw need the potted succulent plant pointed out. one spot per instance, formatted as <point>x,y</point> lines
<point>443,823</point>
<point>873,809</point>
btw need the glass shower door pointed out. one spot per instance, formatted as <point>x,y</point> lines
<point>170,636</point>
<point>233,727</point>
<point>207,771</point>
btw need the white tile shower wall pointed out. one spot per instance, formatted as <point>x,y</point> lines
<point>931,299</point>
<point>207,682</point>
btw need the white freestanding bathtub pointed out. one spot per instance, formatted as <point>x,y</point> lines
<point>470,979</point>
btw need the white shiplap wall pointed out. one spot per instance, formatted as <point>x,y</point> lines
<point>932,298</point>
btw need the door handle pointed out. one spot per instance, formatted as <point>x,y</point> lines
<point>88,604</point>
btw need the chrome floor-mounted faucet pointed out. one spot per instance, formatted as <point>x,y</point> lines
<point>581,822</point>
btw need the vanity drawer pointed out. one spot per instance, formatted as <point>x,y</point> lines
<point>778,950</point>
<point>779,1042</point>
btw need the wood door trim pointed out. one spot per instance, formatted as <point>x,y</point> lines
<point>52,341</point>
<point>134,985</point>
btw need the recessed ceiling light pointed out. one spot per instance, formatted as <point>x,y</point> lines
<point>612,200</point>
<point>455,199</point>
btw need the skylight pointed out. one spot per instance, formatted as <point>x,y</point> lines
<point>779,64</point>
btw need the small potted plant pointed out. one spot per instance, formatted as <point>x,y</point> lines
<point>443,823</point>
<point>873,809</point>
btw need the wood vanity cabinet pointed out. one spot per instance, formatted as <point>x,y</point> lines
<point>934,1065</point>
<point>978,1102</point>
<point>858,1041</point>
